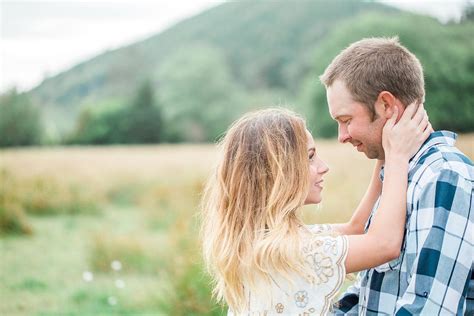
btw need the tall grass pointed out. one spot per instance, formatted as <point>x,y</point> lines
<point>13,219</point>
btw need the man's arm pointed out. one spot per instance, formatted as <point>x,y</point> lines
<point>440,237</point>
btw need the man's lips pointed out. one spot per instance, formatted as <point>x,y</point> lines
<point>358,146</point>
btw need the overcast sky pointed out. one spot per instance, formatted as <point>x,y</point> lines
<point>41,38</point>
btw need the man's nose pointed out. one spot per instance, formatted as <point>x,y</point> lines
<point>343,135</point>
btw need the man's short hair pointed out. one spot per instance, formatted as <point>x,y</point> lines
<point>373,65</point>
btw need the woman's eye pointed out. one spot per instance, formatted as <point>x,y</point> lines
<point>311,157</point>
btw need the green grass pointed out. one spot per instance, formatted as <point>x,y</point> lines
<point>42,274</point>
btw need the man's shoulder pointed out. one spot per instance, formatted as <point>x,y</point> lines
<point>441,161</point>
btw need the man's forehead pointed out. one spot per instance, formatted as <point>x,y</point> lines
<point>345,109</point>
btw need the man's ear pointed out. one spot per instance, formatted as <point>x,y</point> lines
<point>385,104</point>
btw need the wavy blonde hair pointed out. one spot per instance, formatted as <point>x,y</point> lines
<point>251,228</point>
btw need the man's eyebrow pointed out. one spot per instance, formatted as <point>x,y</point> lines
<point>341,116</point>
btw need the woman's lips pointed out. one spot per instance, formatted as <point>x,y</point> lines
<point>319,184</point>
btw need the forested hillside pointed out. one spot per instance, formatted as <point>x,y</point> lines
<point>207,70</point>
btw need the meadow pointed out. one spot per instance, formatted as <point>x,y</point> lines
<point>114,230</point>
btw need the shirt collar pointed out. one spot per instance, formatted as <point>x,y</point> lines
<point>436,138</point>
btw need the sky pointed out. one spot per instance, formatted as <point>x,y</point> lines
<point>42,38</point>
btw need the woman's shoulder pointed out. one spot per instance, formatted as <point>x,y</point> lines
<point>319,228</point>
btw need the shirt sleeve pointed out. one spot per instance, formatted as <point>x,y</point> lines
<point>440,247</point>
<point>326,255</point>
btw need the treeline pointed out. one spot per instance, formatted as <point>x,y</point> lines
<point>138,121</point>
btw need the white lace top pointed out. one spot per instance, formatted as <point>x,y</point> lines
<point>325,254</point>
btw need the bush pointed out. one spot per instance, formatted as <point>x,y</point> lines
<point>19,121</point>
<point>46,196</point>
<point>13,219</point>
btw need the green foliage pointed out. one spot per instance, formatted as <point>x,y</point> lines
<point>468,12</point>
<point>138,122</point>
<point>19,120</point>
<point>143,120</point>
<point>199,95</point>
<point>444,51</point>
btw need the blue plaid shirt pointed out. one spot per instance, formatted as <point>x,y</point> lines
<point>434,273</point>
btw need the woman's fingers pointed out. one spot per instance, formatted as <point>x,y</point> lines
<point>409,111</point>
<point>420,114</point>
<point>427,132</point>
<point>391,121</point>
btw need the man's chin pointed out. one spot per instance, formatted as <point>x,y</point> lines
<point>372,154</point>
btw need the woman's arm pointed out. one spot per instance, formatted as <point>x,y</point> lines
<point>358,220</point>
<point>383,240</point>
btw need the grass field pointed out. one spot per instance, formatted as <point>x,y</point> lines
<point>113,230</point>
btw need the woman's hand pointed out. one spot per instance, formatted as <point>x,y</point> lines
<point>404,138</point>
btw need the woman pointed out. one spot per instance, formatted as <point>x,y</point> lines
<point>262,258</point>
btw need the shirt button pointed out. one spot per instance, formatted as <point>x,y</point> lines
<point>425,294</point>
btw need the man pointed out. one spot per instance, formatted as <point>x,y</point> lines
<point>434,273</point>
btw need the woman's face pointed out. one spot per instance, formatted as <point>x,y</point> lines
<point>317,169</point>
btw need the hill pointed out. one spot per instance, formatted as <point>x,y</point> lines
<point>240,55</point>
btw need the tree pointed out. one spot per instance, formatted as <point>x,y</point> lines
<point>144,123</point>
<point>137,122</point>
<point>199,94</point>
<point>20,121</point>
<point>468,12</point>
<point>445,52</point>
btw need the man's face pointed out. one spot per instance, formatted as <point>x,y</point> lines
<point>354,121</point>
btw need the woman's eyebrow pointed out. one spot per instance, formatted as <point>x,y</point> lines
<point>312,149</point>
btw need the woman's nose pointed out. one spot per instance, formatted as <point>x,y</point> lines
<point>323,168</point>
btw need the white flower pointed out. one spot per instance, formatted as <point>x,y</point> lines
<point>87,276</point>
<point>112,300</point>
<point>116,265</point>
<point>119,283</point>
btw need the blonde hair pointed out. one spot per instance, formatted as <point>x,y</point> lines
<point>373,65</point>
<point>251,228</point>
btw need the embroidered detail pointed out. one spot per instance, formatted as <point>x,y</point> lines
<point>322,266</point>
<point>279,308</point>
<point>330,245</point>
<point>301,299</point>
<point>311,310</point>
